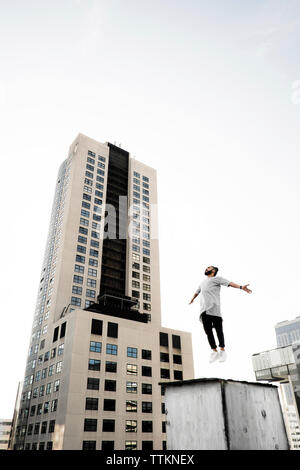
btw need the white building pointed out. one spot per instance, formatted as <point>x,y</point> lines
<point>97,349</point>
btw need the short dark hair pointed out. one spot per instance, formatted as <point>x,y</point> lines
<point>216,270</point>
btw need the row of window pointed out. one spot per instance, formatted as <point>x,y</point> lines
<point>93,383</point>
<point>108,425</point>
<point>92,403</point>
<point>41,446</point>
<point>129,445</point>
<point>131,369</point>
<point>91,445</point>
<point>37,410</point>
<point>44,428</point>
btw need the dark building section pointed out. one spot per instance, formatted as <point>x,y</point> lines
<point>113,272</point>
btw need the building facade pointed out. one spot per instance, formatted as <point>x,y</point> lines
<point>282,365</point>
<point>287,332</point>
<point>98,350</point>
<point>5,430</point>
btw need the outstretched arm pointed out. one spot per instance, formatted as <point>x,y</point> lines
<point>195,295</point>
<point>237,286</point>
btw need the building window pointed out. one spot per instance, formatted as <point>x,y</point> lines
<point>80,259</point>
<point>147,389</point>
<point>135,284</point>
<point>85,213</point>
<point>56,385</point>
<point>163,339</point>
<point>82,239</point>
<point>108,446</point>
<point>177,374</point>
<point>164,373</point>
<point>96,328</point>
<point>110,366</point>
<point>91,283</point>
<point>176,341</point>
<point>112,349</point>
<point>94,364</point>
<point>84,222</point>
<point>90,293</point>
<point>131,369</point>
<point>146,354</point>
<point>131,406</point>
<point>83,230</point>
<point>36,428</point>
<point>63,329</point>
<point>131,387</point>
<point>147,371</point>
<point>77,290</point>
<point>89,445</point>
<point>109,405</point>
<point>147,426</point>
<point>91,403</point>
<point>146,407</point>
<point>112,330</point>
<point>110,385</point>
<point>131,425</point>
<point>75,301</point>
<point>164,357</point>
<point>90,425</point>
<point>93,262</point>
<point>55,334</point>
<point>79,269</point>
<point>86,205</point>
<point>135,293</point>
<point>95,346</point>
<point>147,445</point>
<point>54,405</point>
<point>130,445</point>
<point>108,425</point>
<point>78,279</point>
<point>132,352</point>
<point>93,383</point>
<point>177,359</point>
<point>92,272</point>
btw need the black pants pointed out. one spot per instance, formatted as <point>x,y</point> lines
<point>210,322</point>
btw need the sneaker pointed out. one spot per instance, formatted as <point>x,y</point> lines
<point>214,356</point>
<point>222,356</point>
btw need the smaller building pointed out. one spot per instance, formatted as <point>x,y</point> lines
<point>5,428</point>
<point>288,332</point>
<point>282,365</point>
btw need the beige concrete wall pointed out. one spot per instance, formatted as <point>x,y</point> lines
<point>71,411</point>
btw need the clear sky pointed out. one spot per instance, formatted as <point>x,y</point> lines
<point>208,93</point>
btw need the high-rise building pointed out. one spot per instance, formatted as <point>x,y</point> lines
<point>98,350</point>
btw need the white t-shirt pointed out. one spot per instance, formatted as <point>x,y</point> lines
<point>209,291</point>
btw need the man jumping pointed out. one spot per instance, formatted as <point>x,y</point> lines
<point>210,313</point>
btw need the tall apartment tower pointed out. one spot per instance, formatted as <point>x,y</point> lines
<point>97,349</point>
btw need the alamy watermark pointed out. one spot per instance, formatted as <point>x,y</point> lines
<point>123,221</point>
